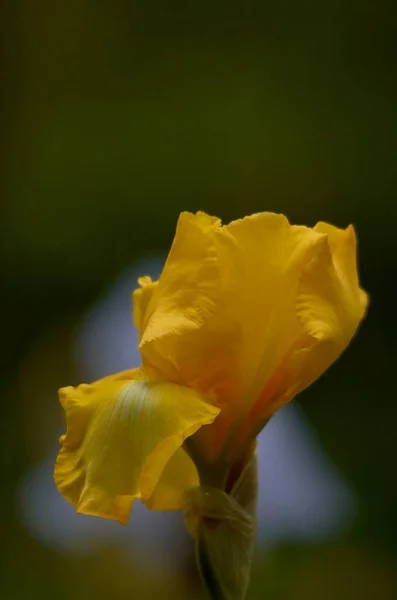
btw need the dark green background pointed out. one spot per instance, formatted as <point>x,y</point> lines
<point>114,117</point>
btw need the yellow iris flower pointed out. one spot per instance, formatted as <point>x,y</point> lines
<point>242,318</point>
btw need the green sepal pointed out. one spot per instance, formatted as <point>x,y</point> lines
<point>224,527</point>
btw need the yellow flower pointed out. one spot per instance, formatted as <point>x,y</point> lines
<point>243,317</point>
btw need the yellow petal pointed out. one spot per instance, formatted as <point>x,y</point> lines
<point>179,476</point>
<point>261,258</point>
<point>185,295</point>
<point>289,304</point>
<point>253,322</point>
<point>121,432</point>
<point>343,247</point>
<point>330,304</point>
<point>141,298</point>
<point>329,307</point>
<point>223,313</point>
<point>250,314</point>
<point>329,301</point>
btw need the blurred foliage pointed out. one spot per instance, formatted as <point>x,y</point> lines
<point>330,573</point>
<point>115,116</point>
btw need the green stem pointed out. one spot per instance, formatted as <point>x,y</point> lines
<point>207,574</point>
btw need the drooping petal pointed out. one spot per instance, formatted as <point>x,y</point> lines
<point>121,432</point>
<point>179,476</point>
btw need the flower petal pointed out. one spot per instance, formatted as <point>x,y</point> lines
<point>249,314</point>
<point>343,247</point>
<point>179,476</point>
<point>254,323</point>
<point>186,291</point>
<point>141,298</point>
<point>184,297</point>
<point>261,258</point>
<point>121,432</point>
<point>225,312</point>
<point>329,308</point>
<point>330,304</point>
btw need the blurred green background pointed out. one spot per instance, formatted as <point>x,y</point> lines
<point>115,116</point>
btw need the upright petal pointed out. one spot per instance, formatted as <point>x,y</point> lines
<point>222,316</point>
<point>249,314</point>
<point>329,306</point>
<point>343,248</point>
<point>141,298</point>
<point>121,432</point>
<point>261,258</point>
<point>184,337</point>
<point>185,295</point>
